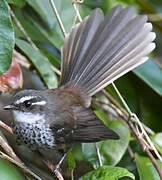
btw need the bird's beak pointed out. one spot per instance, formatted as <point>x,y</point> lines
<point>9,107</point>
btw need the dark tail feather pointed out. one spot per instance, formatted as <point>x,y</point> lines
<point>100,50</point>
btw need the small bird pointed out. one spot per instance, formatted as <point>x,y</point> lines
<point>96,52</point>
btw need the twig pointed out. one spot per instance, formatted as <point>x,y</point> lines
<point>146,136</point>
<point>18,24</point>
<point>77,12</point>
<point>58,72</point>
<point>72,174</point>
<point>22,29</point>
<point>154,162</point>
<point>121,98</point>
<point>4,144</point>
<point>77,1</point>
<point>139,137</point>
<point>130,152</point>
<point>54,170</point>
<point>58,174</point>
<point>12,156</point>
<point>98,154</point>
<point>116,103</point>
<point>25,169</point>
<point>21,59</point>
<point>6,127</point>
<point>58,17</point>
<point>118,110</point>
<point>145,149</point>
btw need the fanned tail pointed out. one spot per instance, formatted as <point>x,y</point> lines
<point>101,49</point>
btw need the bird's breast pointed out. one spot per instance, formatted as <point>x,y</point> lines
<point>34,135</point>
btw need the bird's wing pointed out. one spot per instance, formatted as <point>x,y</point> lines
<point>89,128</point>
<point>80,124</point>
<point>73,122</point>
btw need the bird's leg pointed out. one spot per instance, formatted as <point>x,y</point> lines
<point>56,168</point>
<point>61,161</point>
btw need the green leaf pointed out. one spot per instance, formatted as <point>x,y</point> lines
<point>157,139</point>
<point>70,161</point>
<point>43,8</point>
<point>9,172</point>
<point>32,31</point>
<point>6,37</point>
<point>45,11</point>
<point>111,151</point>
<point>108,4</point>
<point>145,168</point>
<point>90,154</point>
<point>107,173</point>
<point>40,62</point>
<point>151,74</point>
<point>53,37</point>
<point>19,3</point>
<point>127,90</point>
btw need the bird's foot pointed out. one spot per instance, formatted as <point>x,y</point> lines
<point>56,168</point>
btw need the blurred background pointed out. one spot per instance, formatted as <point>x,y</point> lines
<point>38,40</point>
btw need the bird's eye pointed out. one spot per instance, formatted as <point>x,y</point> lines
<point>27,103</point>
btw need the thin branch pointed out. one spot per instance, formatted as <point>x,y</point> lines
<point>77,1</point>
<point>98,154</point>
<point>58,17</point>
<point>25,169</point>
<point>72,174</point>
<point>58,174</point>
<point>58,72</point>
<point>22,30</point>
<point>77,12</point>
<point>138,122</point>
<point>12,156</point>
<point>110,109</point>
<point>121,98</point>
<point>130,152</point>
<point>6,127</point>
<point>145,148</point>
<point>134,116</point>
<point>139,136</point>
<point>154,162</point>
<point>7,148</point>
<point>113,101</point>
<point>21,59</point>
<point>54,170</point>
<point>120,113</point>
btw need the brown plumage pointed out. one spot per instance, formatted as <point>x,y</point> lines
<point>97,51</point>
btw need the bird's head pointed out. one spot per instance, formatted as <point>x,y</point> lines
<point>28,106</point>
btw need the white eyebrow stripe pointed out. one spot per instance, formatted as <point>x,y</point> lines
<point>25,98</point>
<point>39,103</point>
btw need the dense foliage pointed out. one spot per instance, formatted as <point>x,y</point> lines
<point>32,26</point>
